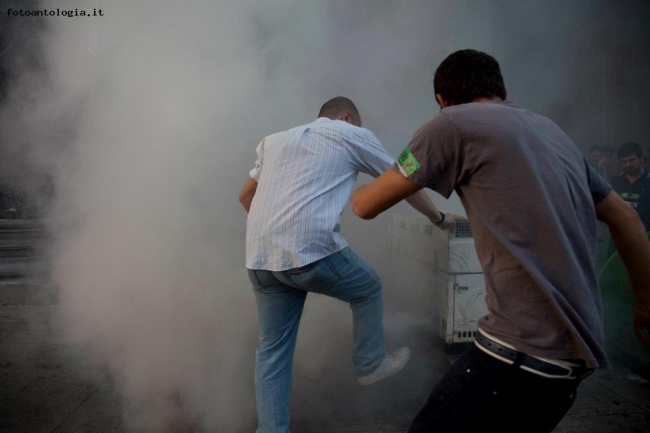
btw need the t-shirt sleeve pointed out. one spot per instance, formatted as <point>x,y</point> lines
<point>598,186</point>
<point>431,158</point>
<point>257,170</point>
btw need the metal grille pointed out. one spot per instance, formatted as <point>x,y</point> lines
<point>463,229</point>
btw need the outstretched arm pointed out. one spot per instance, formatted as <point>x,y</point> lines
<point>247,193</point>
<point>390,188</point>
<point>422,203</point>
<point>629,236</point>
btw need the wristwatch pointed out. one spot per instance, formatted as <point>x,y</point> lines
<point>441,222</point>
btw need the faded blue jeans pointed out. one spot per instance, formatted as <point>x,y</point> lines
<point>280,299</point>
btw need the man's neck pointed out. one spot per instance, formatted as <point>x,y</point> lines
<point>634,177</point>
<point>487,99</point>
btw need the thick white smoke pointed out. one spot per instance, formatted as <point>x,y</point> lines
<point>166,106</point>
<point>149,269</point>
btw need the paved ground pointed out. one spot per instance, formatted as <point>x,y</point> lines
<point>45,388</point>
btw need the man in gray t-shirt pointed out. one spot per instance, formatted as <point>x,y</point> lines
<point>532,201</point>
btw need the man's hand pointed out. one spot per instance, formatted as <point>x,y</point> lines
<point>450,221</point>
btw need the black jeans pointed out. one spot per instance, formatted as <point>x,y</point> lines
<point>482,393</point>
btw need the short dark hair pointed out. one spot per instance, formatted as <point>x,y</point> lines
<point>338,105</point>
<point>629,148</point>
<point>466,75</point>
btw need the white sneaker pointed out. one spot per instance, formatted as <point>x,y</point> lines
<point>391,364</point>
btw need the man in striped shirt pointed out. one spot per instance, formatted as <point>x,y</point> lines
<point>294,197</point>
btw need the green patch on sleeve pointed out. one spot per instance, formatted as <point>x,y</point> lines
<point>408,162</point>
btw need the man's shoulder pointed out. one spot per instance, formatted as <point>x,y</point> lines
<point>472,113</point>
<point>342,125</point>
<point>619,181</point>
<point>644,182</point>
<point>443,119</point>
<point>342,130</point>
<point>291,130</point>
<point>468,116</point>
<point>495,105</point>
<point>334,129</point>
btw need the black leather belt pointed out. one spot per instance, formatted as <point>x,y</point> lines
<point>534,365</point>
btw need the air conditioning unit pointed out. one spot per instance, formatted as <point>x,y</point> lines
<point>442,268</point>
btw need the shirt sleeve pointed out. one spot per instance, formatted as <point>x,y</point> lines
<point>257,170</point>
<point>431,158</point>
<point>373,158</point>
<point>598,186</point>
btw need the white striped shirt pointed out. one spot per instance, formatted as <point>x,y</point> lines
<point>305,176</point>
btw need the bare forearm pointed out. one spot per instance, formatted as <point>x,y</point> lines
<point>246,202</point>
<point>629,236</point>
<point>390,188</point>
<point>247,193</point>
<point>423,204</point>
<point>633,247</point>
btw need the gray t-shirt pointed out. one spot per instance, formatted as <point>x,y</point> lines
<point>529,196</point>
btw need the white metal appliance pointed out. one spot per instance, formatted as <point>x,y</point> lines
<point>441,267</point>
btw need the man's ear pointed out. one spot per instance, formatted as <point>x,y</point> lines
<point>345,116</point>
<point>442,101</point>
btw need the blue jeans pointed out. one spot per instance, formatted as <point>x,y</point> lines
<point>280,299</point>
<point>480,392</point>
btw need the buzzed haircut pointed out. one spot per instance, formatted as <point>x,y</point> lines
<point>338,105</point>
<point>629,148</point>
<point>466,75</point>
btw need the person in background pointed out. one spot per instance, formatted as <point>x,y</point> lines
<point>294,197</point>
<point>595,155</point>
<point>633,183</point>
<point>606,164</point>
<point>535,235</point>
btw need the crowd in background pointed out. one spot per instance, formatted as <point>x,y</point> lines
<point>607,162</point>
<point>626,168</point>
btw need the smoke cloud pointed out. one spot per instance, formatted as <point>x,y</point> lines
<point>147,119</point>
